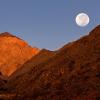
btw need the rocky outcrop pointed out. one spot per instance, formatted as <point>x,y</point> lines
<point>14,52</point>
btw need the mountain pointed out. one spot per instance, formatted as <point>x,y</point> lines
<point>41,57</point>
<point>14,52</point>
<point>71,73</point>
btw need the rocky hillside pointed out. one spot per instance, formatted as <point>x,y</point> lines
<point>72,73</point>
<point>41,57</point>
<point>14,52</point>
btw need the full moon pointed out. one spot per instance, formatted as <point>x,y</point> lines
<point>82,19</point>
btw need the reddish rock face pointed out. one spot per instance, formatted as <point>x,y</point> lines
<point>13,53</point>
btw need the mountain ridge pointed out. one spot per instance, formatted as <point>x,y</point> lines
<point>72,73</point>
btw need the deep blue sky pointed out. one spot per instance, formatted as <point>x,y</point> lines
<point>47,23</point>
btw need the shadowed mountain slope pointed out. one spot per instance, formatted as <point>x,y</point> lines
<point>41,57</point>
<point>72,73</point>
<point>14,52</point>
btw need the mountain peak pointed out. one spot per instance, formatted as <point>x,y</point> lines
<point>98,26</point>
<point>14,52</point>
<point>6,34</point>
<point>96,30</point>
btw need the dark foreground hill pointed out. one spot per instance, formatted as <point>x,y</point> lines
<point>72,73</point>
<point>41,57</point>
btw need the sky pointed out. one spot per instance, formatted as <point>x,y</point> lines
<point>47,24</point>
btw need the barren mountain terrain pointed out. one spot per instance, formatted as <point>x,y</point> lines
<point>70,73</point>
